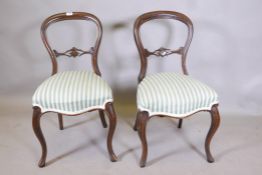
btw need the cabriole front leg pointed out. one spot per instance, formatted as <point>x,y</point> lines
<point>38,132</point>
<point>141,127</point>
<point>215,121</point>
<point>112,125</point>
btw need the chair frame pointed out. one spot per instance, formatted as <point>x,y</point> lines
<point>74,52</point>
<point>143,116</point>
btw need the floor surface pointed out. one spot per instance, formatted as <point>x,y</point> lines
<point>81,147</point>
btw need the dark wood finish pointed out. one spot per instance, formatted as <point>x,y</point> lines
<point>102,117</point>
<point>180,122</point>
<point>112,125</point>
<point>215,121</point>
<point>136,122</point>
<point>60,120</point>
<point>143,116</point>
<point>74,52</point>
<point>109,109</point>
<point>144,53</point>
<point>162,52</point>
<point>38,132</point>
<point>141,127</point>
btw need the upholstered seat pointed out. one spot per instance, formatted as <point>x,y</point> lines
<point>170,94</point>
<point>174,94</point>
<point>72,92</point>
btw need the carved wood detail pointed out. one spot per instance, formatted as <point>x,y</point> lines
<point>162,52</point>
<point>74,52</point>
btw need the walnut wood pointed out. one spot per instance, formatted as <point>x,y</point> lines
<point>180,123</point>
<point>102,117</point>
<point>141,126</point>
<point>60,120</point>
<point>38,132</point>
<point>136,122</point>
<point>143,116</point>
<point>162,52</point>
<point>74,51</point>
<point>109,108</point>
<point>112,125</point>
<point>144,53</point>
<point>215,121</point>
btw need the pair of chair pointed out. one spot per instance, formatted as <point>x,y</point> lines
<point>162,94</point>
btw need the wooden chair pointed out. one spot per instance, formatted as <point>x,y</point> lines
<point>171,94</point>
<point>73,92</point>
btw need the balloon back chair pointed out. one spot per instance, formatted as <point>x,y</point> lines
<point>73,92</point>
<point>171,94</point>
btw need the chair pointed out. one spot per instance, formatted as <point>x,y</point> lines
<point>73,92</point>
<point>171,94</point>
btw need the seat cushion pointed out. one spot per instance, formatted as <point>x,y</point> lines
<point>174,95</point>
<point>72,92</point>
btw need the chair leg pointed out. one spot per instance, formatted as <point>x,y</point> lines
<point>215,121</point>
<point>112,125</point>
<point>141,126</point>
<point>38,132</point>
<point>136,122</point>
<point>102,117</point>
<point>180,123</point>
<point>60,120</point>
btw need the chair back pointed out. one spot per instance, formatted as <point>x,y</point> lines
<point>73,52</point>
<point>161,52</point>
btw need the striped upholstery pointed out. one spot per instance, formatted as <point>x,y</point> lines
<point>174,95</point>
<point>72,92</point>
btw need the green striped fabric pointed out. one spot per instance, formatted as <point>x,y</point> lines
<point>72,92</point>
<point>174,95</point>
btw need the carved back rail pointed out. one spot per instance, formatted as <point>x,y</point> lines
<point>162,52</point>
<point>73,52</point>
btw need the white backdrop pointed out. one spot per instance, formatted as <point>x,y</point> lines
<point>225,52</point>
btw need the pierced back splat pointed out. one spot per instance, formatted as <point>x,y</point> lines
<point>73,52</point>
<point>161,52</point>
